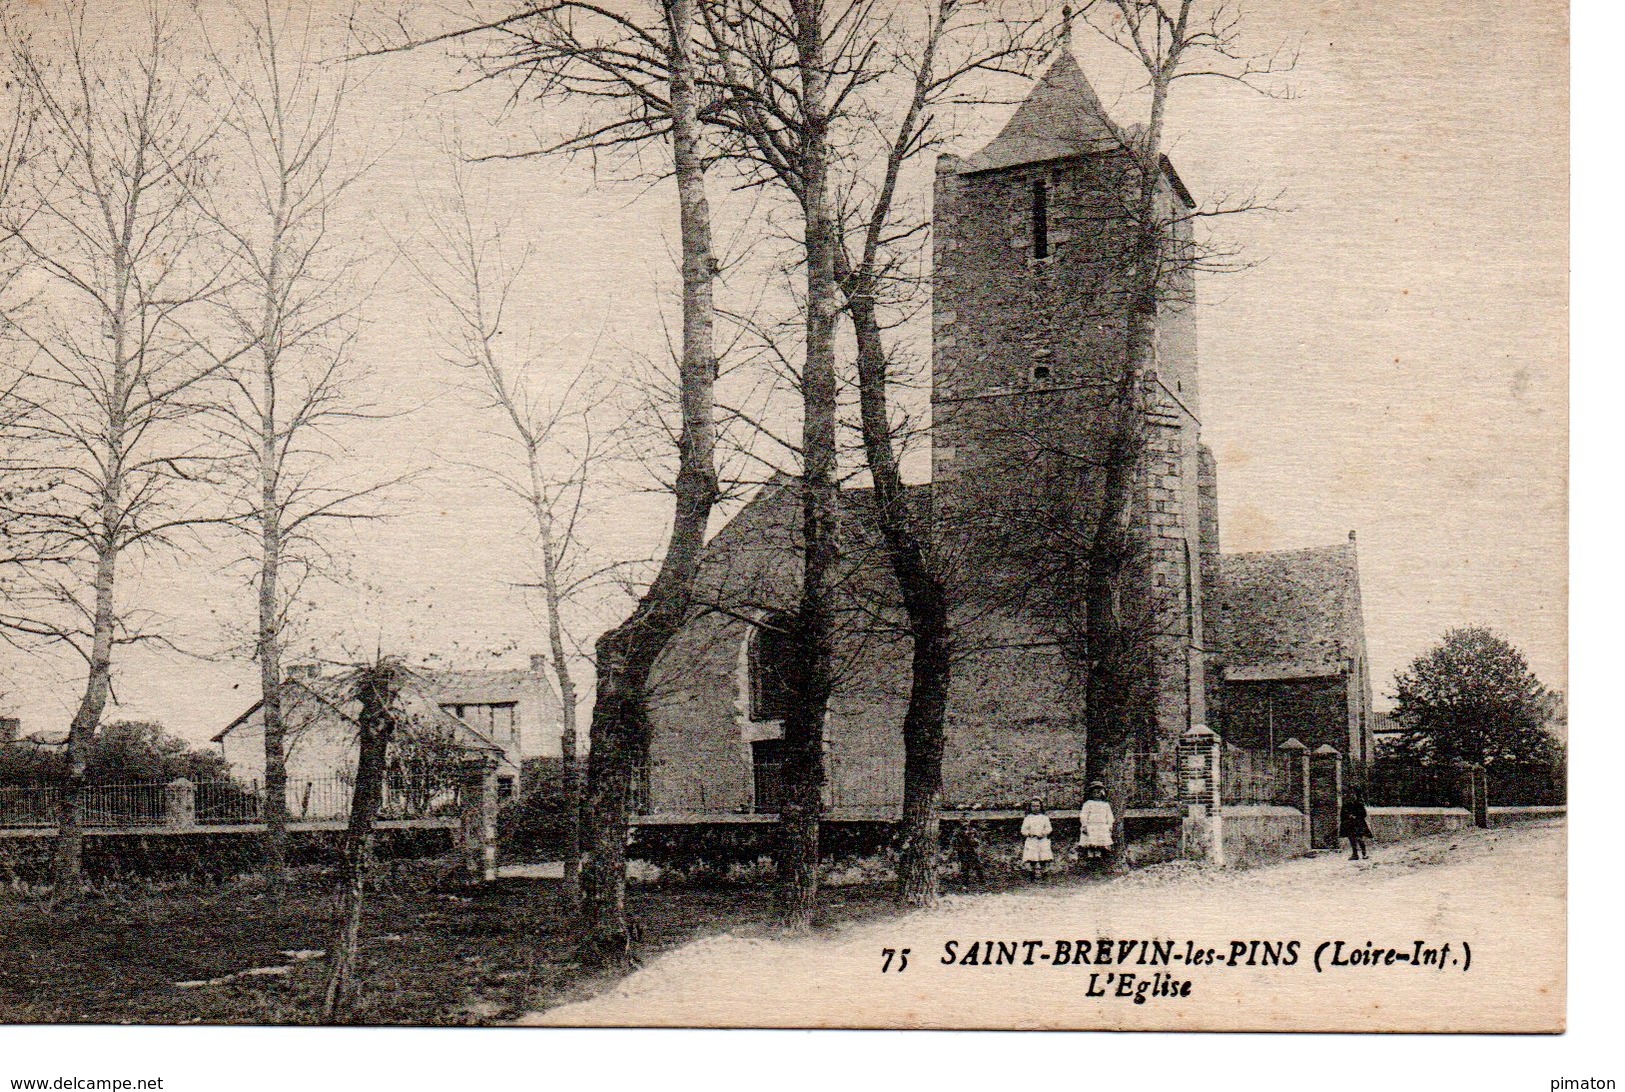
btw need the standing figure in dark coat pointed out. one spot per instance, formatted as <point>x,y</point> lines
<point>968,842</point>
<point>1355,826</point>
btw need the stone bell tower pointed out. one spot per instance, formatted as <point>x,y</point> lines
<point>1030,342</point>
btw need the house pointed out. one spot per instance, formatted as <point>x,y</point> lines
<point>510,715</point>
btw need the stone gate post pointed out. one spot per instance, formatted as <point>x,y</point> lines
<point>1296,755</point>
<point>477,837</point>
<point>1201,828</point>
<point>1325,796</point>
<point>180,803</point>
<point>1473,790</point>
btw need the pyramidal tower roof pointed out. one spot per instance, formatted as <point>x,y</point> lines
<point>1061,117</point>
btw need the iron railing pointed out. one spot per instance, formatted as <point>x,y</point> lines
<point>1259,777</point>
<point>1410,785</point>
<point>213,803</point>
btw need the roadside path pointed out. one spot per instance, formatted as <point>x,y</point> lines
<point>1499,891</point>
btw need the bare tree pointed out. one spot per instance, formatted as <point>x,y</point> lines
<point>376,687</point>
<point>557,447</point>
<point>292,307</point>
<point>638,66</point>
<point>889,76</point>
<point>108,220</point>
<point>1170,41</point>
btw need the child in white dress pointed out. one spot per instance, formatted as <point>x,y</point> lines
<point>1036,853</point>
<point>1095,823</point>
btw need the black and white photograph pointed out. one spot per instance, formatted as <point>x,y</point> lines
<point>840,514</point>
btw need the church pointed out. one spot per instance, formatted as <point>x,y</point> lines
<point>1028,333</point>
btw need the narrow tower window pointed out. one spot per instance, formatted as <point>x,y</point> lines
<point>1040,217</point>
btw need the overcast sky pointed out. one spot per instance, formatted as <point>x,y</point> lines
<point>1394,362</point>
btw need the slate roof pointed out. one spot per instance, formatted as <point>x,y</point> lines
<point>322,696</point>
<point>1061,117</point>
<point>755,557</point>
<point>475,687</point>
<point>1287,614</point>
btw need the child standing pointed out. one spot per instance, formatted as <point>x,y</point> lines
<point>1095,823</point>
<point>1036,853</point>
<point>1356,827</point>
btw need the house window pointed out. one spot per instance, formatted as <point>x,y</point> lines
<point>768,652</point>
<point>498,721</point>
<point>504,788</point>
<point>1040,217</point>
<point>767,764</point>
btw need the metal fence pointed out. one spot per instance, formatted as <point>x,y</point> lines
<point>1259,777</point>
<point>214,803</point>
<point>1518,784</point>
<point>1526,784</point>
<point>1410,785</point>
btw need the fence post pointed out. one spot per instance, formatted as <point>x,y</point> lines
<point>1325,796</point>
<point>180,803</point>
<point>1473,791</point>
<point>1201,828</point>
<point>478,834</point>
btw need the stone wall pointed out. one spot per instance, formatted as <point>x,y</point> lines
<point>1506,817</point>
<point>1262,834</point>
<point>1403,824</point>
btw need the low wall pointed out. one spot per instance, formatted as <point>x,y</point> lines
<point>1403,824</point>
<point>1258,834</point>
<point>1501,817</point>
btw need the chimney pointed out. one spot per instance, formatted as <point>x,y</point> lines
<point>1351,536</point>
<point>538,663</point>
<point>10,729</point>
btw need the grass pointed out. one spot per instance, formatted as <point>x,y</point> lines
<point>433,950</point>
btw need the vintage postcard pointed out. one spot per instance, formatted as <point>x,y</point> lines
<point>966,514</point>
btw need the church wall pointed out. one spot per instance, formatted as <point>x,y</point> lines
<point>1313,711</point>
<point>1014,730</point>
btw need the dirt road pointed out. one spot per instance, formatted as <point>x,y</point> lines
<point>1179,952</point>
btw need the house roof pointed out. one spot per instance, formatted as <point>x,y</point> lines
<point>1287,614</point>
<point>332,697</point>
<point>454,686</point>
<point>1061,117</point>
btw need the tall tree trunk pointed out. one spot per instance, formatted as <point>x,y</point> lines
<point>271,544</point>
<point>1121,652</point>
<point>275,802</point>
<point>925,600</point>
<point>69,863</point>
<point>567,687</point>
<point>68,867</point>
<point>377,692</point>
<point>627,654</point>
<point>813,638</point>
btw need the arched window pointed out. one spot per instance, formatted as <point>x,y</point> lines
<point>768,654</point>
